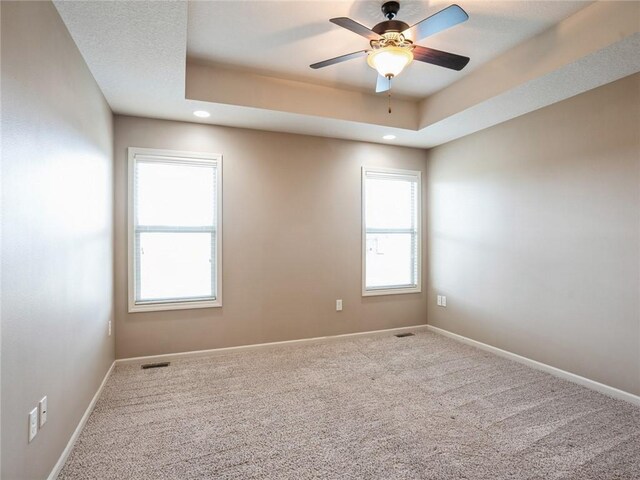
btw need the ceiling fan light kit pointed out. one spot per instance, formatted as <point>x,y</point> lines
<point>390,61</point>
<point>391,51</point>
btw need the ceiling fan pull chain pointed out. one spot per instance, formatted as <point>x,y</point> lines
<point>389,90</point>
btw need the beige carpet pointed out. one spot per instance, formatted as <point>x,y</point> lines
<point>422,407</point>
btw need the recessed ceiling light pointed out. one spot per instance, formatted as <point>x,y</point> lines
<point>389,137</point>
<point>201,114</point>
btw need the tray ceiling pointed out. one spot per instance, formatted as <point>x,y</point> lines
<point>282,38</point>
<point>247,63</point>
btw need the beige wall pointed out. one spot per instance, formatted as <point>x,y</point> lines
<point>57,236</point>
<point>534,235</point>
<point>291,214</point>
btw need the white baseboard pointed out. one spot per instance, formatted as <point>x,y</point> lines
<point>67,450</point>
<point>221,351</point>
<point>572,377</point>
<point>600,387</point>
<point>201,353</point>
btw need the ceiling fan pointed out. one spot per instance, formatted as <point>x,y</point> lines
<point>392,50</point>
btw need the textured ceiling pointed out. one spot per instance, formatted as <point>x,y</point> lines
<point>135,49</point>
<point>137,52</point>
<point>282,38</point>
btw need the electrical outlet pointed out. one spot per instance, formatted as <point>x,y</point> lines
<point>109,327</point>
<point>33,424</point>
<point>339,305</point>
<point>439,300</point>
<point>43,411</point>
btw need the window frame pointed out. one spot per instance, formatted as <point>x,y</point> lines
<point>177,157</point>
<point>376,291</point>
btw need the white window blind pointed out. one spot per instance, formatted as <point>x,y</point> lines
<point>391,231</point>
<point>175,230</point>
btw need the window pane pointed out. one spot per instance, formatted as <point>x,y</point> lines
<point>390,203</point>
<point>390,260</point>
<point>175,265</point>
<point>171,194</point>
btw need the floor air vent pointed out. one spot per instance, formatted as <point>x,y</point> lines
<point>155,365</point>
<point>401,335</point>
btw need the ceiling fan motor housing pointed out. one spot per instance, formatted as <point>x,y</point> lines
<point>390,26</point>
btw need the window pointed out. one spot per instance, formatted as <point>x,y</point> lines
<point>391,232</point>
<point>175,234</point>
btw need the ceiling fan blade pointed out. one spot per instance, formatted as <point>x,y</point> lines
<point>437,57</point>
<point>383,84</point>
<point>355,27</point>
<point>437,22</point>
<point>341,58</point>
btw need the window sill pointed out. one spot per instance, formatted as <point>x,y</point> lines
<point>159,307</point>
<point>390,291</point>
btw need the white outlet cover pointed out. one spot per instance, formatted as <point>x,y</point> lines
<point>109,327</point>
<point>444,301</point>
<point>33,424</point>
<point>43,411</point>
<point>439,300</point>
<point>339,305</point>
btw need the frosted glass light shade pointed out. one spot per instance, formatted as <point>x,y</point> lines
<point>390,61</point>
